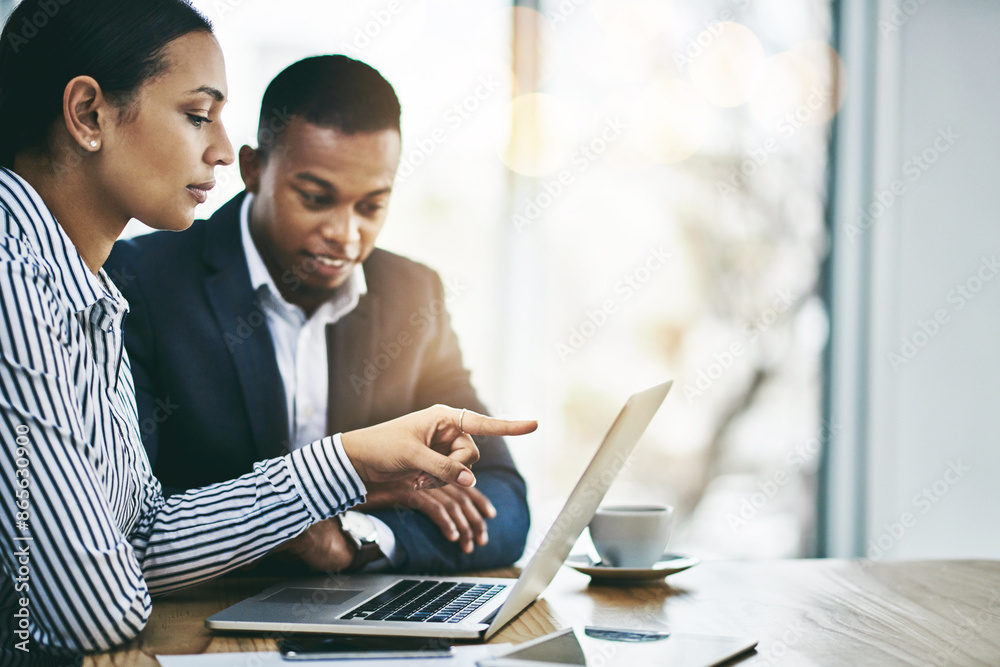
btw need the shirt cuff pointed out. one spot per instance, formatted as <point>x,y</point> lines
<point>326,479</point>
<point>392,555</point>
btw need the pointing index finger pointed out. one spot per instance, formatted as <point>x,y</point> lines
<point>474,423</point>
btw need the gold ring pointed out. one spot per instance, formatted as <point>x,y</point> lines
<point>460,417</point>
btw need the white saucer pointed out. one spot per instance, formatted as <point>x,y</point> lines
<point>667,565</point>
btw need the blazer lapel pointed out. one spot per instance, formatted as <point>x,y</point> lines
<point>350,347</point>
<point>243,325</point>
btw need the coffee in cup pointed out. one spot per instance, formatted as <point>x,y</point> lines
<point>633,536</point>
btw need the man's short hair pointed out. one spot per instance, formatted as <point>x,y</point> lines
<point>329,91</point>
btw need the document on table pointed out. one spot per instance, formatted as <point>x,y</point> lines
<point>465,656</point>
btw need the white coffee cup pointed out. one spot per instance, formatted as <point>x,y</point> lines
<point>632,536</point>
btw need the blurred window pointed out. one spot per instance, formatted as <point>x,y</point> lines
<point>616,192</point>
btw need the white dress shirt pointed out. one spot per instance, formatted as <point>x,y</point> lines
<point>300,349</point>
<point>299,341</point>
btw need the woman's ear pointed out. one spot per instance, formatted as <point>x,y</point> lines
<point>84,110</point>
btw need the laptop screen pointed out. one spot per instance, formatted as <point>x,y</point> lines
<point>579,509</point>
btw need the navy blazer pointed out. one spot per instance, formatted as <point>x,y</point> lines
<point>210,397</point>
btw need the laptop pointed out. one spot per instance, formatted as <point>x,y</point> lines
<point>472,608</point>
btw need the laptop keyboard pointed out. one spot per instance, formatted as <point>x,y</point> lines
<point>426,601</point>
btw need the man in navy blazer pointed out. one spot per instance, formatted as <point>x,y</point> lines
<point>277,319</point>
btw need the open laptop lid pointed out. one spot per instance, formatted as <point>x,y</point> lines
<point>582,503</point>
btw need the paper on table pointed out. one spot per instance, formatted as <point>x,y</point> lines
<point>465,656</point>
<point>569,647</point>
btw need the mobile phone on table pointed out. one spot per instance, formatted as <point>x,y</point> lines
<point>353,647</point>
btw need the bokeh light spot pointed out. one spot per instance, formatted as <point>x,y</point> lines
<point>671,120</point>
<point>726,62</point>
<point>543,134</point>
<point>803,86</point>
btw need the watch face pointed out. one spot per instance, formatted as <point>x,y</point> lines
<point>359,525</point>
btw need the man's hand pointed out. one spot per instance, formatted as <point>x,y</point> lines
<point>459,512</point>
<point>322,546</point>
<point>429,441</point>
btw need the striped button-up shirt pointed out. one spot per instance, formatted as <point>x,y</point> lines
<point>87,536</point>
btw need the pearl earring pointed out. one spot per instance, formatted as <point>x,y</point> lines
<point>93,143</point>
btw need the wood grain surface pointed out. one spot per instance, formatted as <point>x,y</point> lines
<point>802,612</point>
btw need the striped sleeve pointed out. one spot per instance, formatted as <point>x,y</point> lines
<point>67,558</point>
<point>96,537</point>
<point>198,535</point>
<point>85,533</point>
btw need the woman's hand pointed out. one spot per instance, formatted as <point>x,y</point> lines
<point>429,442</point>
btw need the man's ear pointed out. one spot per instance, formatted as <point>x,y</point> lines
<point>251,164</point>
<point>86,112</point>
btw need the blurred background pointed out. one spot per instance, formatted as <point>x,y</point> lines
<point>786,206</point>
<point>615,193</point>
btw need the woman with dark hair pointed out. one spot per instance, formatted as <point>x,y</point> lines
<point>110,111</point>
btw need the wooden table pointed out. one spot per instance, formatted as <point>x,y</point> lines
<point>802,612</point>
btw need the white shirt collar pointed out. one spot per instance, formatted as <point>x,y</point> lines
<point>346,299</point>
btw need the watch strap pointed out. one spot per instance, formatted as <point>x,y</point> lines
<point>366,549</point>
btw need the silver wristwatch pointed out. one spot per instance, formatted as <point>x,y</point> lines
<point>360,530</point>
